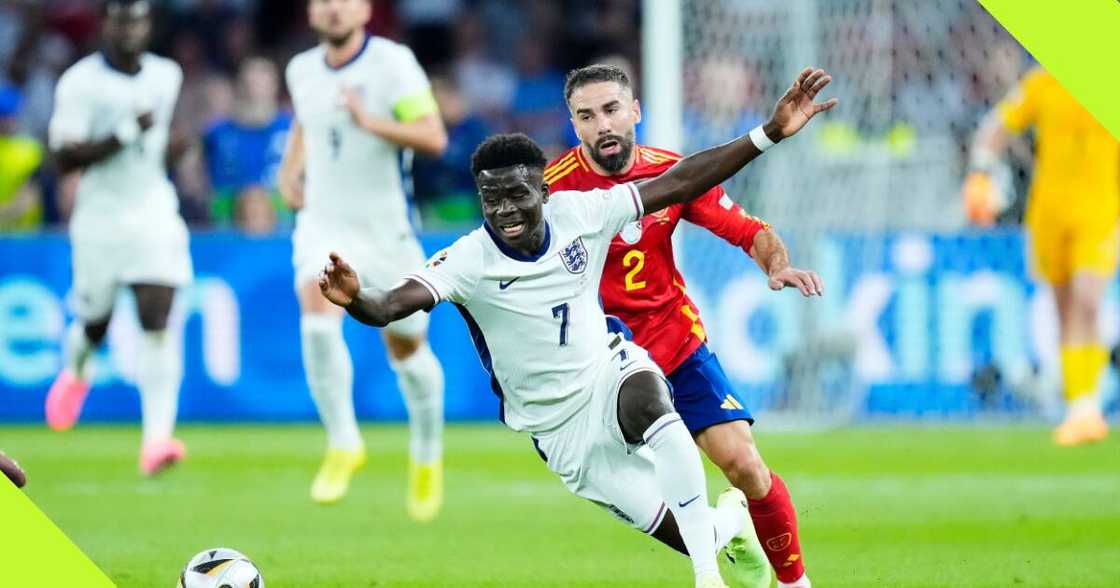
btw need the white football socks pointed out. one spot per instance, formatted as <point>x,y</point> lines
<point>78,351</point>
<point>729,521</point>
<point>680,477</point>
<point>330,374</point>
<point>420,378</point>
<point>159,372</point>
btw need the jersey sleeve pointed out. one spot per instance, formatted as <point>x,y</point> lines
<point>411,96</point>
<point>291,74</point>
<point>605,211</point>
<point>72,118</point>
<point>453,273</point>
<point>1019,109</point>
<point>719,214</point>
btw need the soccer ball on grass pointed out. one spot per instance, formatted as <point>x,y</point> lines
<point>220,568</point>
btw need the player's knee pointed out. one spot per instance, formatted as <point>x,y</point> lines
<point>153,318</point>
<point>745,470</point>
<point>643,398</point>
<point>400,347</point>
<point>153,305</point>
<point>95,332</point>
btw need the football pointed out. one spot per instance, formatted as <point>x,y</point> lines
<point>220,568</point>
<point>11,469</point>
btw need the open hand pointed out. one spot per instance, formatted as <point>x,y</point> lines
<point>809,283</point>
<point>339,282</point>
<point>796,106</point>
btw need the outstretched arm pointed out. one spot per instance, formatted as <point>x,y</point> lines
<point>770,253</point>
<point>700,172</point>
<point>339,283</point>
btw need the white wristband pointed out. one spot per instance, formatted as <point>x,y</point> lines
<point>127,131</point>
<point>760,140</point>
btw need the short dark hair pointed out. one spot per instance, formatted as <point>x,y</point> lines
<point>598,72</point>
<point>501,151</point>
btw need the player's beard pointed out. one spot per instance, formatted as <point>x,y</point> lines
<point>616,162</point>
<point>337,41</point>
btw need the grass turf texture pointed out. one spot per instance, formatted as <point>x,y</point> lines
<point>878,507</point>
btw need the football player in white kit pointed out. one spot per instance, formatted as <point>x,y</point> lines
<point>359,101</point>
<point>112,121</point>
<point>527,284</point>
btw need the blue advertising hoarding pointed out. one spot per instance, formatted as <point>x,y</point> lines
<point>922,313</point>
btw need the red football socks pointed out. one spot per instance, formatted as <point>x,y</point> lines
<point>775,522</point>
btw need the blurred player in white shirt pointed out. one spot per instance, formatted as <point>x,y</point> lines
<point>359,101</point>
<point>112,121</point>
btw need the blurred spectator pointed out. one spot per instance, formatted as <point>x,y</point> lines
<point>486,83</point>
<point>722,100</point>
<point>538,101</point>
<point>429,25</point>
<point>206,94</point>
<point>445,187</point>
<point>245,150</point>
<point>255,211</point>
<point>21,206</point>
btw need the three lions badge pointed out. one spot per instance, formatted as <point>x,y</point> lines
<point>575,256</point>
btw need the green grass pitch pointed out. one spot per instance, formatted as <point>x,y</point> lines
<point>888,506</point>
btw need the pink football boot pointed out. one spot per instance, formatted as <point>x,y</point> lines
<point>65,400</point>
<point>160,455</point>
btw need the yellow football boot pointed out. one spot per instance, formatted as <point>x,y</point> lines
<point>425,490</point>
<point>333,479</point>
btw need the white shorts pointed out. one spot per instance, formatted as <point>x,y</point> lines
<point>592,457</point>
<point>105,262</point>
<point>381,262</point>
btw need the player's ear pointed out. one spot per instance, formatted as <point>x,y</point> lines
<point>637,107</point>
<point>544,191</point>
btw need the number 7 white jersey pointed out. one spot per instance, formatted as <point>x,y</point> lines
<point>536,320</point>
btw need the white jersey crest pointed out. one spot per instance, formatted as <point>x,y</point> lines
<point>536,320</point>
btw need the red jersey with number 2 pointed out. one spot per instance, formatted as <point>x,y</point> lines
<point>641,283</point>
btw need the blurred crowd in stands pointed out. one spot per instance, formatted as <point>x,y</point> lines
<point>495,65</point>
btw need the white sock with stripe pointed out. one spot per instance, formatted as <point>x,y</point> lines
<point>680,478</point>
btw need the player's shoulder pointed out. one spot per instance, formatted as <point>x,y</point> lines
<point>656,157</point>
<point>465,252</point>
<point>562,172</point>
<point>305,61</point>
<point>381,47</point>
<point>82,70</point>
<point>471,245</point>
<point>165,67</point>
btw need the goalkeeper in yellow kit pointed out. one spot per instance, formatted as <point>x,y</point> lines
<point>1072,216</point>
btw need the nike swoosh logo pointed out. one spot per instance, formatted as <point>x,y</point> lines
<point>688,502</point>
<point>503,285</point>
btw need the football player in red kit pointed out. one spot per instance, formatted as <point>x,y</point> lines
<point>642,286</point>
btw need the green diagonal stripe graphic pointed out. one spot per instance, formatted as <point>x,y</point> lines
<point>34,552</point>
<point>1077,41</point>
